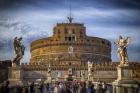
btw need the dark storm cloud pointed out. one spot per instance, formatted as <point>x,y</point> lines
<point>120,23</point>
<point>111,17</point>
<point>135,48</point>
<point>128,4</point>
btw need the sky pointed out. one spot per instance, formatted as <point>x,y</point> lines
<point>34,19</point>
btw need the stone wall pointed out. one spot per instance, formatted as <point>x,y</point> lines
<point>105,71</point>
<point>4,70</point>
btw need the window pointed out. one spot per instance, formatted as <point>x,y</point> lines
<point>53,32</point>
<point>103,42</point>
<point>108,44</point>
<point>69,38</point>
<point>73,31</point>
<point>66,31</point>
<point>58,31</point>
<point>58,36</point>
<point>66,38</point>
<point>73,38</point>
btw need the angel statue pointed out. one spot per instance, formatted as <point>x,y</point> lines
<point>19,50</point>
<point>122,50</point>
<point>90,65</point>
<point>82,74</point>
<point>49,70</point>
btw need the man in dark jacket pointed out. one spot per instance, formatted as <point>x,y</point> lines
<point>32,88</point>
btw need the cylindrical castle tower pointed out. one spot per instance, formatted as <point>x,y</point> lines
<point>70,44</point>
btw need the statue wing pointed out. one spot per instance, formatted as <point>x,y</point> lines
<point>15,45</point>
<point>128,40</point>
<point>120,37</point>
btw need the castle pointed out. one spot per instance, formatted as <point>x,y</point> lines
<point>67,53</point>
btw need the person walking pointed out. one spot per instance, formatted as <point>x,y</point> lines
<point>32,90</point>
<point>41,88</point>
<point>6,87</point>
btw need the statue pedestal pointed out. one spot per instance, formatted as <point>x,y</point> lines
<point>15,75</point>
<point>83,79</point>
<point>125,82</point>
<point>49,79</point>
<point>90,78</point>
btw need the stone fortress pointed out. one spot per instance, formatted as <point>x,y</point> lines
<point>70,38</point>
<point>68,55</point>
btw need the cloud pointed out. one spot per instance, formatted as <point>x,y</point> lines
<point>34,20</point>
<point>8,33</point>
<point>54,4</point>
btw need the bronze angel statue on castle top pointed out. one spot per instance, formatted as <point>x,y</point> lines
<point>122,49</point>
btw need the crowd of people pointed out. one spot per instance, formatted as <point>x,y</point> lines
<point>60,87</point>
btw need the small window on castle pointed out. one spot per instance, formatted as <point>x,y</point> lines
<point>58,36</point>
<point>88,40</point>
<point>73,31</point>
<point>66,38</point>
<point>81,32</point>
<point>108,44</point>
<point>58,31</point>
<point>73,38</point>
<point>69,38</point>
<point>41,41</point>
<point>53,32</point>
<point>103,42</point>
<point>66,31</point>
<point>92,40</point>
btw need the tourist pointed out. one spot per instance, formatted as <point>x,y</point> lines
<point>51,88</point>
<point>68,88</point>
<point>90,88</point>
<point>18,89</point>
<point>26,89</point>
<point>82,88</point>
<point>79,87</point>
<point>99,89</point>
<point>75,87</point>
<point>2,88</point>
<point>93,89</point>
<point>6,87</point>
<point>64,88</point>
<point>41,88</point>
<point>56,88</point>
<point>32,90</point>
<point>60,88</point>
<point>104,87</point>
<point>47,87</point>
<point>109,88</point>
<point>44,88</point>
